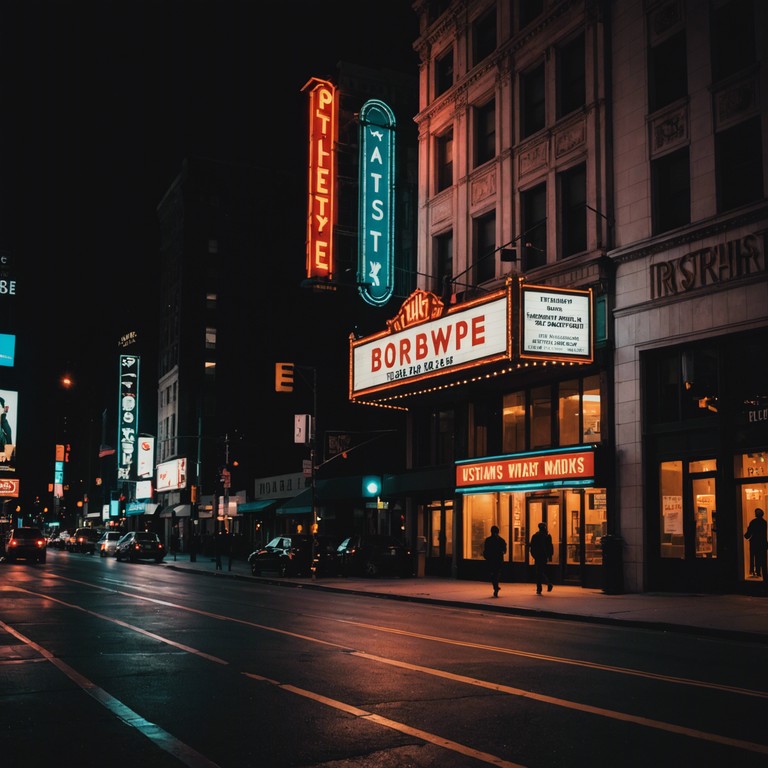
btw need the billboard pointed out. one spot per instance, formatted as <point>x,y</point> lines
<point>172,475</point>
<point>9,400</point>
<point>7,349</point>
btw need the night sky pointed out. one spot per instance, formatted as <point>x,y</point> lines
<point>102,100</point>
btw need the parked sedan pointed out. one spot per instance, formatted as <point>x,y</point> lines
<point>105,546</point>
<point>140,545</point>
<point>292,556</point>
<point>373,555</point>
<point>26,543</point>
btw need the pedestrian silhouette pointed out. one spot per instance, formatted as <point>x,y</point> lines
<point>757,535</point>
<point>542,551</point>
<point>494,550</point>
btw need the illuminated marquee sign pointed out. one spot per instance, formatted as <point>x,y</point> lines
<point>128,409</point>
<point>546,469</point>
<point>423,341</point>
<point>321,215</point>
<point>555,324</point>
<point>377,203</point>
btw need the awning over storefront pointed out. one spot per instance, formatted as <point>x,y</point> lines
<point>300,504</point>
<point>260,505</point>
<point>179,510</point>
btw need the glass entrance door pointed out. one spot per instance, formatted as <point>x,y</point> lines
<point>545,509</point>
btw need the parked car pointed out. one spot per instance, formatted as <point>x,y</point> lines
<point>140,545</point>
<point>106,545</point>
<point>292,556</point>
<point>84,540</point>
<point>374,555</point>
<point>26,543</point>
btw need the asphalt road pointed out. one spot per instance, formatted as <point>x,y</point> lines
<point>117,664</point>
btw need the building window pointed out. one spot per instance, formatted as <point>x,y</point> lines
<point>513,423</point>
<point>739,165</point>
<point>443,262</point>
<point>444,146</point>
<point>479,416</point>
<point>573,210</point>
<point>732,31</point>
<point>528,11</point>
<point>444,72</point>
<point>667,72</point>
<point>571,89</point>
<point>484,36</point>
<point>485,132</point>
<point>441,437</point>
<point>541,418</point>
<point>485,248</point>
<point>569,412</point>
<point>534,212</point>
<point>671,191</point>
<point>532,101</point>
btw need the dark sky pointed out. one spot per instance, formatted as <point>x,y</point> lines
<point>102,100</point>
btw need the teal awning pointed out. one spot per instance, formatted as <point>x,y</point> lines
<point>257,506</point>
<point>300,504</point>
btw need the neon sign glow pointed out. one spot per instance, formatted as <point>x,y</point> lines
<point>321,215</point>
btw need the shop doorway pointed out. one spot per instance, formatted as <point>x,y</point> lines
<point>546,509</point>
<point>439,533</point>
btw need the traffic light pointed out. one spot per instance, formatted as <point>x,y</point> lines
<point>283,377</point>
<point>371,486</point>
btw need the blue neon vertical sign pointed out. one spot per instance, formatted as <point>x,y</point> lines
<point>376,214</point>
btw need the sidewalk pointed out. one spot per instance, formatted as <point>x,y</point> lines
<point>736,616</point>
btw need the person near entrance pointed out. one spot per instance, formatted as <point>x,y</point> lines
<point>757,535</point>
<point>494,549</point>
<point>542,551</point>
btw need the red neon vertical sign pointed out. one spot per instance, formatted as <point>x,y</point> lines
<point>321,215</point>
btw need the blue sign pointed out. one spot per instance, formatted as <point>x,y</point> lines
<point>376,215</point>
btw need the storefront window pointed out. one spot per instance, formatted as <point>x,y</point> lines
<point>671,506</point>
<point>514,503</point>
<point>751,471</point>
<point>481,511</point>
<point>595,525</point>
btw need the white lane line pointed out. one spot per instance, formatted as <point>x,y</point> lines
<point>162,739</point>
<point>609,713</point>
<point>453,746</point>
<point>562,660</point>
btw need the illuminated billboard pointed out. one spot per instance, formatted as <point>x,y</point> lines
<point>321,214</point>
<point>9,402</point>
<point>172,475</point>
<point>376,214</point>
<point>555,323</point>
<point>7,349</point>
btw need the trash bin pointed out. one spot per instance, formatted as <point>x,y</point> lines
<point>613,564</point>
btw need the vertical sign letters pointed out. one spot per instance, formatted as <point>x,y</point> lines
<point>376,204</point>
<point>321,215</point>
<point>128,408</point>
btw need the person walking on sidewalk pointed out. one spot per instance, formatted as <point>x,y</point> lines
<point>494,550</point>
<point>542,551</point>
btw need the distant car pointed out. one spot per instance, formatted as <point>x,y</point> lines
<point>84,540</point>
<point>292,556</point>
<point>374,555</point>
<point>140,545</point>
<point>106,545</point>
<point>26,543</point>
<point>59,541</point>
